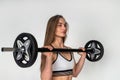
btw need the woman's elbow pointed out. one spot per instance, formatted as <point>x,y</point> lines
<point>42,77</point>
<point>46,76</point>
<point>75,75</point>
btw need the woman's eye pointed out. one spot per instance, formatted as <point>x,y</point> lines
<point>65,25</point>
<point>59,25</point>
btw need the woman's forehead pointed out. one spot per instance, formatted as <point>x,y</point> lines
<point>61,21</point>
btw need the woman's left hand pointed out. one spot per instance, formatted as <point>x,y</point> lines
<point>82,54</point>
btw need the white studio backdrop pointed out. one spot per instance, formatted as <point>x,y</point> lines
<point>88,20</point>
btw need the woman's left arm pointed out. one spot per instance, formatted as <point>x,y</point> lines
<point>79,65</point>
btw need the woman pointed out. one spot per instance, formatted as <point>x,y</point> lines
<point>59,65</point>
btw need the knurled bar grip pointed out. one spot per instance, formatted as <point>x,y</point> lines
<point>7,49</point>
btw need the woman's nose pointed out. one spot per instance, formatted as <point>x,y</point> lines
<point>63,27</point>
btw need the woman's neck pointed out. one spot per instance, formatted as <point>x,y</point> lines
<point>58,43</point>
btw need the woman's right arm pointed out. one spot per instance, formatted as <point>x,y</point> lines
<point>46,65</point>
<point>46,72</point>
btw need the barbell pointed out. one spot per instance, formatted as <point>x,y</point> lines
<point>25,50</point>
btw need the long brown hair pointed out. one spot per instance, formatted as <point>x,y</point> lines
<point>50,34</point>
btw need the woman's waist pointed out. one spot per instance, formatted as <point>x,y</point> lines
<point>66,77</point>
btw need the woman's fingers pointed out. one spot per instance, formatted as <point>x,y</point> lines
<point>83,49</point>
<point>82,53</point>
<point>49,47</point>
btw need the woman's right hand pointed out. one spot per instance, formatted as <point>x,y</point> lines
<point>48,54</point>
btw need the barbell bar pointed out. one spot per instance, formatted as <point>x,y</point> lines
<point>47,50</point>
<point>25,50</point>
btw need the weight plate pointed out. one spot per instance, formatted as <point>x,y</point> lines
<point>98,50</point>
<point>25,50</point>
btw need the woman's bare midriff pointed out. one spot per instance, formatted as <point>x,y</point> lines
<point>62,78</point>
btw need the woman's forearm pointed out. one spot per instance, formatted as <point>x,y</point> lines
<point>78,67</point>
<point>46,73</point>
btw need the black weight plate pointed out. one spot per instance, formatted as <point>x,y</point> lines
<point>25,52</point>
<point>98,50</point>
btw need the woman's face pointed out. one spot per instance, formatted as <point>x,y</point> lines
<point>61,28</point>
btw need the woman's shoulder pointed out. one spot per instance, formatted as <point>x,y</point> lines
<point>51,45</point>
<point>68,47</point>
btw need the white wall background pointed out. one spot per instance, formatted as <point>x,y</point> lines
<point>88,19</point>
